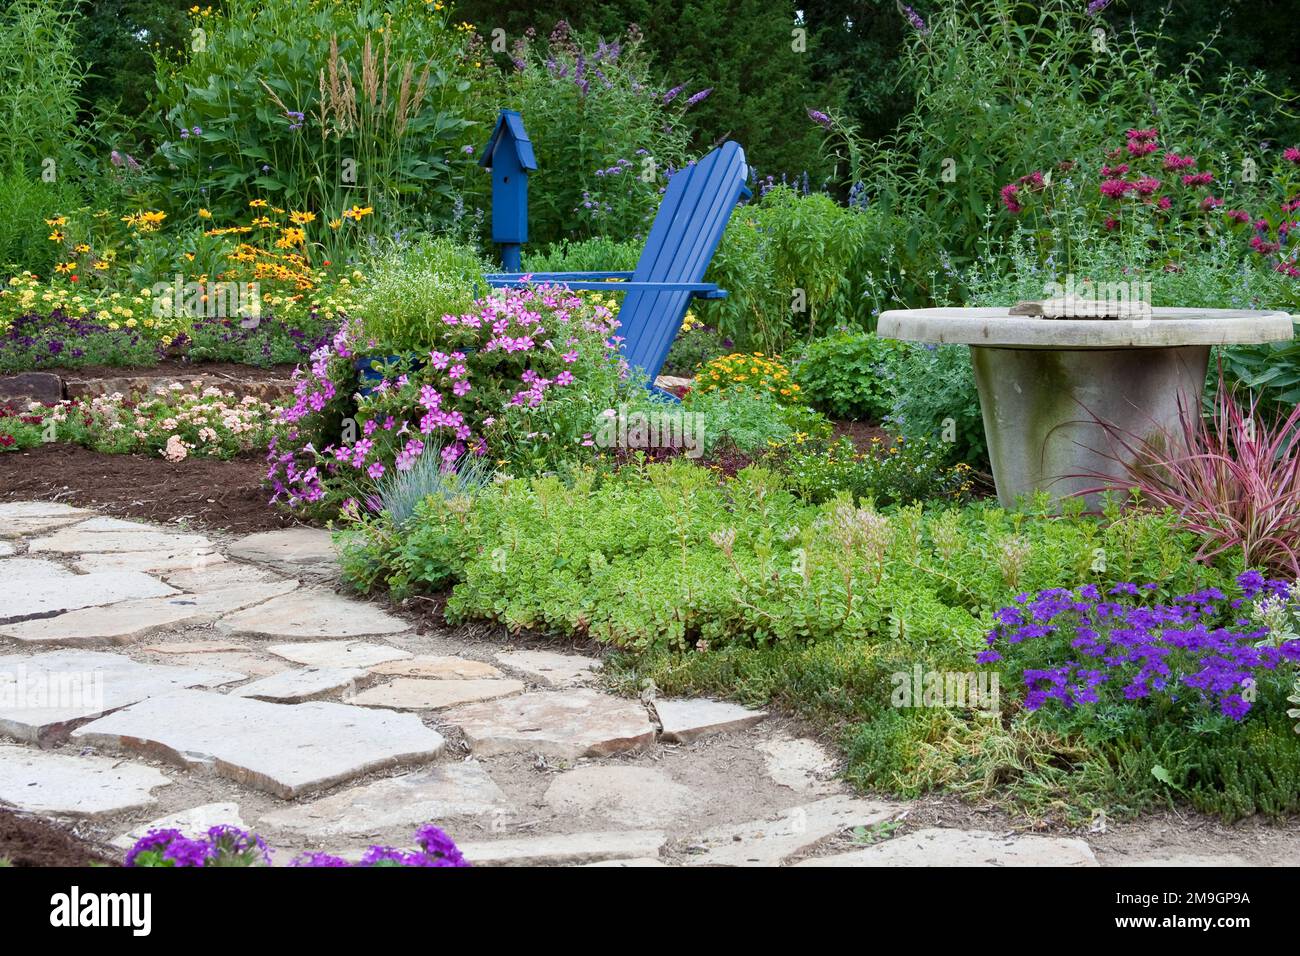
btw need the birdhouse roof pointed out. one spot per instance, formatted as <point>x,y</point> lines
<point>510,125</point>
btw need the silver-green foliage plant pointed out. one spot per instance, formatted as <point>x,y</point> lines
<point>411,286</point>
<point>398,492</point>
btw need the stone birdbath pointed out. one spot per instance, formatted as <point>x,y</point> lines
<point>1046,382</point>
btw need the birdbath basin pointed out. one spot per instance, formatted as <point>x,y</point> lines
<point>1045,384</point>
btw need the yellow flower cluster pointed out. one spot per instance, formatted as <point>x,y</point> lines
<point>752,370</point>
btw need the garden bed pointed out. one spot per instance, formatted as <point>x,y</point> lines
<point>26,840</point>
<point>201,491</point>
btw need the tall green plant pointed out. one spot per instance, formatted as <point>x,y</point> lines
<point>321,107</point>
<point>39,77</point>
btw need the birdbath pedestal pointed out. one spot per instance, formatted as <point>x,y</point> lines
<point>1046,384</point>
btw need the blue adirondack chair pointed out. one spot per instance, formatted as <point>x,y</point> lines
<point>687,229</point>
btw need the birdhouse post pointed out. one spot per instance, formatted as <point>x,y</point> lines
<point>509,154</point>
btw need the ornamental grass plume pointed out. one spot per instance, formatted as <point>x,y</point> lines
<point>1231,478</point>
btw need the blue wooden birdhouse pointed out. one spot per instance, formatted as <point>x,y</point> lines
<point>509,154</point>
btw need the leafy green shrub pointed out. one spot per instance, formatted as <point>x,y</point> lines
<point>847,375</point>
<point>695,346</point>
<point>26,201</point>
<point>317,107</point>
<point>752,421</point>
<point>898,472</point>
<point>934,398</point>
<point>604,132</point>
<point>797,266</point>
<point>597,254</point>
<point>412,286</point>
<point>38,105</point>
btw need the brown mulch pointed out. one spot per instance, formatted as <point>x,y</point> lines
<point>175,368</point>
<point>218,495</point>
<point>860,433</point>
<point>30,841</point>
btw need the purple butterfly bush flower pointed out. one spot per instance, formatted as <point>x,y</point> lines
<point>820,118</point>
<point>914,18</point>
<point>699,97</point>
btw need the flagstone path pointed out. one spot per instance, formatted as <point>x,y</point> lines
<point>154,676</point>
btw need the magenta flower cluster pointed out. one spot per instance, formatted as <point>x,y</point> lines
<point>1082,647</point>
<point>516,348</point>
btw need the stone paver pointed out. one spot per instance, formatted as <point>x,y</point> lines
<point>338,653</point>
<point>155,561</point>
<point>801,764</point>
<point>413,693</point>
<point>21,518</point>
<point>194,647</point>
<point>191,822</point>
<point>18,569</point>
<point>437,668</point>
<point>81,539</point>
<point>626,795</point>
<point>943,847</point>
<point>447,790</point>
<point>286,546</point>
<point>563,849</point>
<point>251,664</point>
<point>772,842</point>
<point>288,686</point>
<point>550,668</point>
<point>563,724</point>
<point>44,694</point>
<point>685,720</point>
<point>127,620</point>
<point>312,613</point>
<point>6,549</point>
<point>286,749</point>
<point>629,864</point>
<point>41,597</point>
<point>44,782</point>
<point>215,577</point>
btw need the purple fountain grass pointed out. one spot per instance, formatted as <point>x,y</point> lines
<point>1231,477</point>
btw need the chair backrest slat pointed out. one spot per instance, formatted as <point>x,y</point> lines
<point>692,218</point>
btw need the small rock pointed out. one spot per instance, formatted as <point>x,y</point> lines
<point>801,764</point>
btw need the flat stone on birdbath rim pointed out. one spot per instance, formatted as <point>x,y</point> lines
<point>286,546</point>
<point>772,842</point>
<point>339,653</point>
<point>40,781</point>
<point>312,613</point>
<point>42,597</point>
<point>934,846</point>
<point>50,692</point>
<point>413,693</point>
<point>193,822</point>
<point>563,724</point>
<point>285,749</point>
<point>289,686</point>
<point>625,795</point>
<point>550,668</point>
<point>437,668</point>
<point>445,790</point>
<point>690,719</point>
<point>561,849</point>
